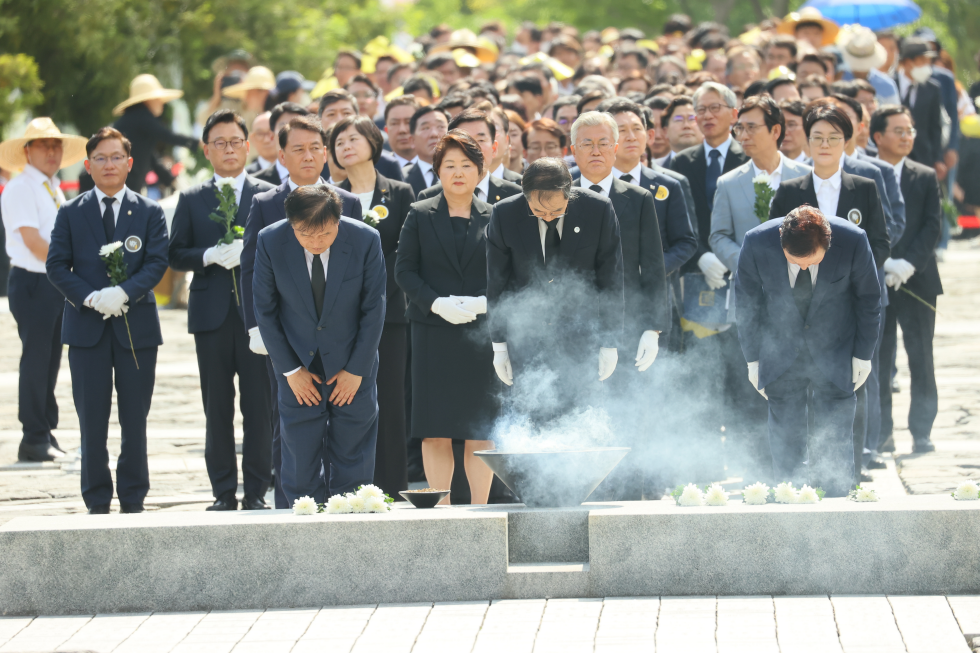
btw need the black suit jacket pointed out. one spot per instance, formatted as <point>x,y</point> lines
<point>923,225</point>
<point>499,190</point>
<point>927,116</point>
<point>590,251</point>
<point>676,232</point>
<point>427,266</point>
<point>855,193</point>
<point>270,175</point>
<point>145,132</point>
<point>644,278</point>
<point>268,208</point>
<point>415,178</point>
<point>191,233</point>
<point>693,164</point>
<point>512,177</point>
<point>397,197</point>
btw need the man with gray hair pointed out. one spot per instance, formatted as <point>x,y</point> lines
<point>554,291</point>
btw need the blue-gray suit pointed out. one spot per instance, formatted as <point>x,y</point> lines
<point>345,336</point>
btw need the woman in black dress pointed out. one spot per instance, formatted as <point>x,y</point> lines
<point>355,145</point>
<point>442,267</point>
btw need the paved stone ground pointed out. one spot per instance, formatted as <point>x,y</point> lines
<point>751,624</point>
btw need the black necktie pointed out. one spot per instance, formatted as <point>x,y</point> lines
<point>596,188</point>
<point>318,283</point>
<point>628,178</point>
<point>711,178</point>
<point>803,292</point>
<point>108,219</point>
<point>908,96</point>
<point>551,241</point>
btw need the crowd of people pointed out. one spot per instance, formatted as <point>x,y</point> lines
<point>486,223</point>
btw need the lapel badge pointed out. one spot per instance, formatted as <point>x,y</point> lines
<point>662,193</point>
<point>382,211</point>
<point>576,230</point>
<point>854,216</point>
<point>129,213</point>
<point>133,244</point>
<point>498,198</point>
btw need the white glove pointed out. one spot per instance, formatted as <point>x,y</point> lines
<point>255,342</point>
<point>861,370</point>
<point>448,309</point>
<point>212,255</point>
<point>899,267</point>
<point>231,255</point>
<point>714,270</point>
<point>646,353</point>
<point>476,305</point>
<point>110,301</point>
<point>501,364</point>
<point>125,309</point>
<point>92,298</point>
<point>608,357</point>
<point>892,280</point>
<point>754,378</point>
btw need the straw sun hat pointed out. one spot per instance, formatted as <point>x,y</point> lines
<point>143,88</point>
<point>810,15</point>
<point>258,78</point>
<point>12,155</point>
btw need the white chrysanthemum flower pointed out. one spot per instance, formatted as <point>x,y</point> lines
<point>338,505</point>
<point>105,250</point>
<point>304,506</point>
<point>756,494</point>
<point>370,491</point>
<point>716,496</point>
<point>807,495</point>
<point>691,496</point>
<point>375,504</point>
<point>865,494</point>
<point>356,503</point>
<point>761,179</point>
<point>224,181</point>
<point>785,493</point>
<point>967,491</point>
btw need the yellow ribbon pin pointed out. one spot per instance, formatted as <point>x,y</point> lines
<point>662,193</point>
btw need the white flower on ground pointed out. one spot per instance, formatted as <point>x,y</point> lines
<point>807,495</point>
<point>304,506</point>
<point>716,496</point>
<point>785,493</point>
<point>761,179</point>
<point>224,181</point>
<point>338,505</point>
<point>967,491</point>
<point>865,494</point>
<point>105,250</point>
<point>756,494</point>
<point>691,496</point>
<point>370,491</point>
<point>356,502</point>
<point>375,504</point>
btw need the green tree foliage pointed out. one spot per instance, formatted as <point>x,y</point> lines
<point>20,86</point>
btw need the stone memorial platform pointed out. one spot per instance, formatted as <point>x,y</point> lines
<point>261,560</point>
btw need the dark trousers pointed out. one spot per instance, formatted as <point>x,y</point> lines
<point>918,329</point>
<point>38,308</point>
<point>280,496</point>
<point>746,414</point>
<point>867,419</point>
<point>92,379</point>
<point>824,455</point>
<point>342,437</point>
<point>391,464</point>
<point>221,354</point>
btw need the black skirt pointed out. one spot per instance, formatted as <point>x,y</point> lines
<point>454,387</point>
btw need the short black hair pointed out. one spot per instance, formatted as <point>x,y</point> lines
<point>641,56</point>
<point>365,127</point>
<point>107,134</point>
<point>452,100</point>
<point>619,105</point>
<point>473,115</point>
<point>562,101</point>
<point>335,96</point>
<point>678,23</point>
<point>222,116</point>
<point>285,107</point>
<point>421,112</point>
<point>363,79</point>
<point>795,107</point>
<point>678,101</point>
<point>528,83</point>
<point>813,81</point>
<point>843,87</point>
<point>539,67</point>
<point>804,230</point>
<point>784,41</point>
<point>813,58</point>
<point>776,82</point>
<point>353,54</point>
<point>830,113</point>
<point>879,119</point>
<point>756,88</point>
<point>547,175</point>
<point>304,123</point>
<point>771,113</point>
<point>418,82</point>
<point>591,96</point>
<point>313,207</point>
<point>433,61</point>
<point>402,101</point>
<point>457,138</point>
<point>394,70</point>
<point>851,103</point>
<point>656,102</point>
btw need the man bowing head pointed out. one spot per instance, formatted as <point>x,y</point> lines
<point>319,291</point>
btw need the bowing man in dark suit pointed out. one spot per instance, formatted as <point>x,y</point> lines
<point>554,290</point>
<point>280,115</point>
<point>302,152</point>
<point>214,316</point>
<point>428,125</point>
<point>913,265</point>
<point>808,312</point>
<point>102,344</point>
<point>320,304</point>
<point>355,145</point>
<point>491,189</point>
<point>923,96</point>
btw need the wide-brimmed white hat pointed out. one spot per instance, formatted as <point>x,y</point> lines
<point>860,48</point>
<point>258,78</point>
<point>146,87</point>
<point>12,155</point>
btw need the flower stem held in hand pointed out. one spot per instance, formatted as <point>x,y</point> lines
<point>226,215</point>
<point>916,297</point>
<point>115,267</point>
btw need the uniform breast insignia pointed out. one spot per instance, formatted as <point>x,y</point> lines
<point>133,244</point>
<point>577,230</point>
<point>662,193</point>
<point>382,211</point>
<point>854,216</point>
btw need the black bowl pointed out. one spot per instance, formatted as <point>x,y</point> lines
<point>424,499</point>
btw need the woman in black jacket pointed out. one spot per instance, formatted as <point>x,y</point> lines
<point>442,267</point>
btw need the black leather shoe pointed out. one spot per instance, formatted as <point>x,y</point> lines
<point>99,510</point>
<point>865,476</point>
<point>130,508</point>
<point>922,446</point>
<point>877,463</point>
<point>38,453</point>
<point>224,503</point>
<point>416,473</point>
<point>254,503</point>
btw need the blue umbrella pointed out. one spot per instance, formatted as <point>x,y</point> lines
<point>873,14</point>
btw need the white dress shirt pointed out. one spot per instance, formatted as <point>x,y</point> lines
<point>664,161</point>
<point>264,164</point>
<point>325,258</point>
<point>27,202</point>
<point>365,201</point>
<point>794,271</point>
<point>775,177</point>
<point>903,87</point>
<point>281,169</point>
<point>293,185</point>
<point>499,172</point>
<point>484,189</point>
<point>723,149</point>
<point>605,184</point>
<point>801,157</point>
<point>636,173</point>
<point>828,192</point>
<point>116,205</point>
<point>402,161</point>
<point>543,229</point>
<point>898,170</point>
<point>427,172</point>
<point>238,184</point>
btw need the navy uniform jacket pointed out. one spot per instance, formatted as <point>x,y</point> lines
<point>892,200</point>
<point>925,224</point>
<point>268,208</point>
<point>75,269</point>
<point>844,314</point>
<point>348,331</point>
<point>193,232</point>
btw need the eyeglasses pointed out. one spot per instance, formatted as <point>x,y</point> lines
<point>548,147</point>
<point>902,133</point>
<point>746,128</point>
<point>832,141</point>
<point>679,119</point>
<point>236,143</point>
<point>365,95</point>
<point>117,159</point>
<point>715,108</point>
<point>603,145</point>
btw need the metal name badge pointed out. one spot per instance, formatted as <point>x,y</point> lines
<point>854,216</point>
<point>133,244</point>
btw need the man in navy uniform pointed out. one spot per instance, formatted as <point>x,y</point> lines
<point>215,317</point>
<point>100,342</point>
